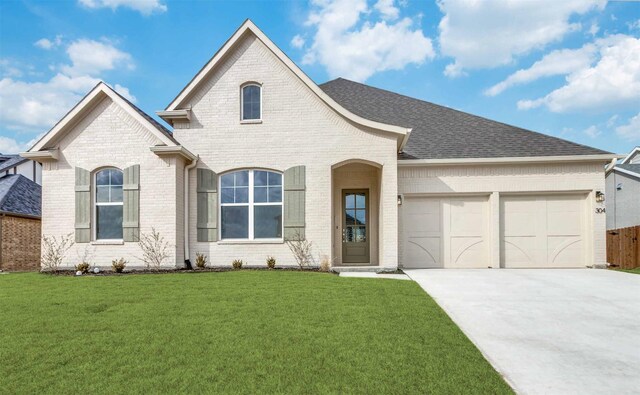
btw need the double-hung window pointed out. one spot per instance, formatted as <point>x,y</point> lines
<point>108,204</point>
<point>251,205</point>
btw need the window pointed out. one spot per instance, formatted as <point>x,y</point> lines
<point>108,205</point>
<point>251,106</point>
<point>251,205</point>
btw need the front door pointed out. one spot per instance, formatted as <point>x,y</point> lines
<point>355,226</point>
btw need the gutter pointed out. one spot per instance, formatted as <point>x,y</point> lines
<point>193,164</point>
<point>511,160</point>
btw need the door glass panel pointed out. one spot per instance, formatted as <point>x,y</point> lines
<point>350,217</point>
<point>361,217</point>
<point>349,236</point>
<point>360,234</point>
<point>349,200</point>
<point>360,200</point>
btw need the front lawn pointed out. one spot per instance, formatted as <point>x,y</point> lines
<point>634,271</point>
<point>232,332</point>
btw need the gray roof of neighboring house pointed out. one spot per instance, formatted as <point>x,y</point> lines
<point>633,167</point>
<point>440,132</point>
<point>7,161</point>
<point>19,195</point>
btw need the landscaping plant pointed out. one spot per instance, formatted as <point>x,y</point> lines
<point>301,249</point>
<point>201,260</point>
<point>237,264</point>
<point>83,267</point>
<point>118,265</point>
<point>271,262</point>
<point>53,251</point>
<point>155,250</point>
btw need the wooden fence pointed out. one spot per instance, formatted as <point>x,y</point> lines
<point>623,247</point>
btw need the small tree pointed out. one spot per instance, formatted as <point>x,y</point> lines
<point>154,249</point>
<point>53,251</point>
<point>301,249</point>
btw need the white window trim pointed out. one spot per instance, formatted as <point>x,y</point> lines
<point>249,121</point>
<point>250,204</point>
<point>95,204</point>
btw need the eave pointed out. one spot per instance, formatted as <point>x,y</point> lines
<point>510,160</point>
<point>41,156</point>
<point>175,115</point>
<point>178,150</point>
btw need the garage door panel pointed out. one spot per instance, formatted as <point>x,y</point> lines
<point>423,252</point>
<point>445,232</point>
<point>543,231</point>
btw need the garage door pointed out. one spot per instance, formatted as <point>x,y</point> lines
<point>448,232</point>
<point>543,231</point>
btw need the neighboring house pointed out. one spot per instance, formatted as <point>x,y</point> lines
<point>259,155</point>
<point>15,164</point>
<point>623,192</point>
<point>19,223</point>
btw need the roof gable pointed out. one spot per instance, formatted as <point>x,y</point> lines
<point>633,157</point>
<point>10,161</point>
<point>248,27</point>
<point>79,111</point>
<point>440,132</point>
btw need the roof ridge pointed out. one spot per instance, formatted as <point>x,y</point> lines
<point>458,111</point>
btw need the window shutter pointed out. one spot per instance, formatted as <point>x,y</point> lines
<point>83,206</point>
<point>207,192</point>
<point>131,203</point>
<point>294,203</point>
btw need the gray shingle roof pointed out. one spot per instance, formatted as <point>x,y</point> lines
<point>440,132</point>
<point>20,195</point>
<point>9,161</point>
<point>634,167</point>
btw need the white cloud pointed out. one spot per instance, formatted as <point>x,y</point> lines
<point>47,44</point>
<point>145,7</point>
<point>630,131</point>
<point>559,62</point>
<point>594,29</point>
<point>592,131</point>
<point>486,34</point>
<point>635,25</point>
<point>613,82</point>
<point>387,9</point>
<point>12,146</point>
<point>125,92</point>
<point>94,57</point>
<point>349,45</point>
<point>32,106</point>
<point>297,41</point>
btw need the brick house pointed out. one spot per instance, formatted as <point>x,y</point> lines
<point>19,223</point>
<point>259,154</point>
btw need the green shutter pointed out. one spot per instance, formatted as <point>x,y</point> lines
<point>83,206</point>
<point>131,203</point>
<point>294,203</point>
<point>207,191</point>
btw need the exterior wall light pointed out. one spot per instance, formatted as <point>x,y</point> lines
<point>399,200</point>
<point>619,187</point>
<point>599,197</point>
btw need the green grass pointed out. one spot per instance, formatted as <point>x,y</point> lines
<point>232,332</point>
<point>634,271</point>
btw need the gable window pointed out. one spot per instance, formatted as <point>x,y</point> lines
<point>108,204</point>
<point>251,102</point>
<point>251,205</point>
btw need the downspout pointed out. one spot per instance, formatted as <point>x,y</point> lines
<point>193,164</point>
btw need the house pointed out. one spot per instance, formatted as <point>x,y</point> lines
<point>260,155</point>
<point>623,192</point>
<point>15,164</point>
<point>19,223</point>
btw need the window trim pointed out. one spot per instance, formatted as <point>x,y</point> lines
<point>249,121</point>
<point>250,204</point>
<point>95,204</point>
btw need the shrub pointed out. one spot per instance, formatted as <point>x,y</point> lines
<point>301,249</point>
<point>237,264</point>
<point>325,264</point>
<point>154,249</point>
<point>271,262</point>
<point>53,251</point>
<point>83,267</point>
<point>118,265</point>
<point>201,260</point>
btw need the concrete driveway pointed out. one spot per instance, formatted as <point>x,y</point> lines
<point>561,331</point>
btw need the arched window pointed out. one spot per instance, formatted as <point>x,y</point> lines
<point>251,205</point>
<point>251,103</point>
<point>108,204</point>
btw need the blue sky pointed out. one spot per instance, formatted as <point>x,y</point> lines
<point>567,68</point>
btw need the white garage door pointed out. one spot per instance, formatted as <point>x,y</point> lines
<point>448,232</point>
<point>543,231</point>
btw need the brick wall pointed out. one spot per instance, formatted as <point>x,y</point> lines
<point>19,243</point>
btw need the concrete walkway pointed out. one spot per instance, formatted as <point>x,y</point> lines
<point>559,331</point>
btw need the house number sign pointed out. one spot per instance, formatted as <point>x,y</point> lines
<point>600,210</point>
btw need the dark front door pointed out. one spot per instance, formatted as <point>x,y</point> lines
<point>355,226</point>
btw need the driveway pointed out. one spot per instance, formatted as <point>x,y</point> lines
<point>548,331</point>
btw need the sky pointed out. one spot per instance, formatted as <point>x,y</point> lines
<point>567,68</point>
